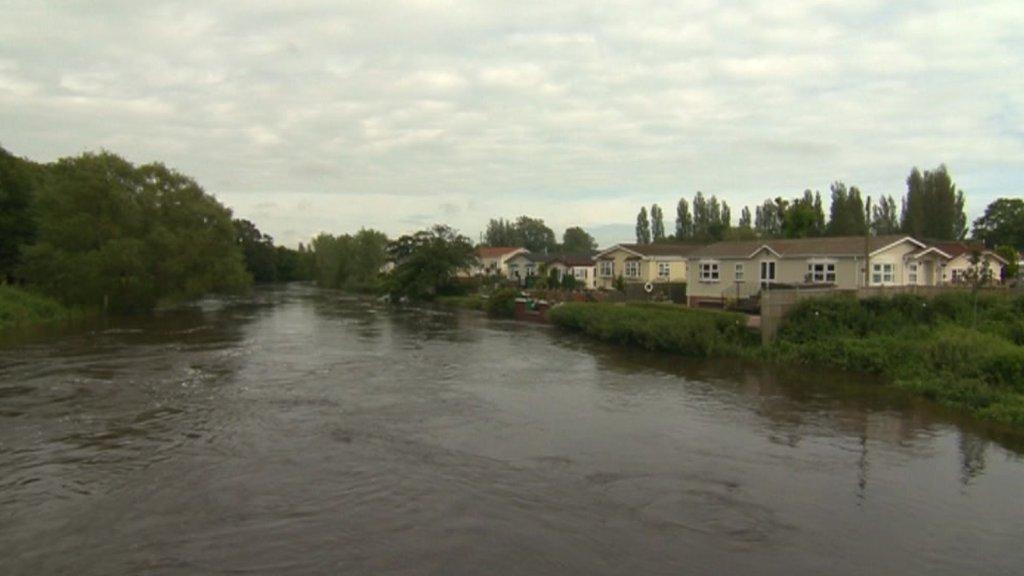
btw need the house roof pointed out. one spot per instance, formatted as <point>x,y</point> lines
<point>796,247</point>
<point>955,249</point>
<point>681,249</point>
<point>496,251</point>
<point>567,258</point>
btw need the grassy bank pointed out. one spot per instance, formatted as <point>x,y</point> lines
<point>962,353</point>
<point>662,327</point>
<point>469,302</point>
<point>23,308</point>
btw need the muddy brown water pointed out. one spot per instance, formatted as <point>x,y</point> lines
<point>304,432</point>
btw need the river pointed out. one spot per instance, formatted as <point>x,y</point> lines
<point>303,432</point>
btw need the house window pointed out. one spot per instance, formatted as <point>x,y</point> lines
<point>632,269</point>
<point>529,270</point>
<point>881,273</point>
<point>579,273</point>
<point>739,272</point>
<point>663,270</point>
<point>912,274</point>
<point>514,270</point>
<point>767,272</point>
<point>709,271</point>
<point>607,268</point>
<point>821,272</point>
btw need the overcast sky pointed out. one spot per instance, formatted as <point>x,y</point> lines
<point>323,115</point>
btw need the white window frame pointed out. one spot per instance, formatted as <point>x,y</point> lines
<point>767,265</point>
<point>632,269</point>
<point>821,271</point>
<point>912,273</point>
<point>709,271</point>
<point>883,273</point>
<point>739,272</point>
<point>664,270</point>
<point>607,268</point>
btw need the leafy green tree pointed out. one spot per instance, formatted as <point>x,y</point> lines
<point>684,220</point>
<point>501,232</point>
<point>799,218</point>
<point>576,239</point>
<point>768,218</point>
<point>350,262</point>
<point>746,222</point>
<point>643,227</point>
<point>17,225</point>
<point>534,235</point>
<point>657,224</point>
<point>125,238</point>
<point>1012,268</point>
<point>1002,223</point>
<point>885,218</point>
<point>258,250</point>
<point>846,214</point>
<point>427,262</point>
<point>933,207</point>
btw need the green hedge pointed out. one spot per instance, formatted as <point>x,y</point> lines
<point>662,327</point>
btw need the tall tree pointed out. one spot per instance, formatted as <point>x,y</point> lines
<point>701,216</point>
<point>846,214</point>
<point>1002,224</point>
<point>768,218</point>
<point>577,239</point>
<point>17,224</point>
<point>258,250</point>
<point>643,227</point>
<point>799,219</point>
<point>933,207</point>
<point>657,224</point>
<point>684,220</point>
<point>885,218</point>
<point>534,235</point>
<point>746,221</point>
<point>501,232</point>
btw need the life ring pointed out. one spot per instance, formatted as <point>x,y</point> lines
<point>648,287</point>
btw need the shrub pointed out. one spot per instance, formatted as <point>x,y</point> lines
<point>658,327</point>
<point>502,304</point>
<point>20,308</point>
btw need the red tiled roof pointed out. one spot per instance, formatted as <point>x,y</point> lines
<point>495,251</point>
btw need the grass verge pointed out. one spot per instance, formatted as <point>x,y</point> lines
<point>20,308</point>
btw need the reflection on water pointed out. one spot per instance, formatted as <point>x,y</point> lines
<point>303,431</point>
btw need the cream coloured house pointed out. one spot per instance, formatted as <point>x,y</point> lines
<point>523,266</point>
<point>960,261</point>
<point>493,260</point>
<point>662,262</point>
<point>733,270</point>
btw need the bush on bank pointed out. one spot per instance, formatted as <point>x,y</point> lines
<point>22,308</point>
<point>658,327</point>
<point>959,350</point>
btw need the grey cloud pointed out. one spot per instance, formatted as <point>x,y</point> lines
<point>571,111</point>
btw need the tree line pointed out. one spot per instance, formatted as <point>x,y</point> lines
<point>534,235</point>
<point>932,208</point>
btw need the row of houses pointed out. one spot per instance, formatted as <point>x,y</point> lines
<point>739,269</point>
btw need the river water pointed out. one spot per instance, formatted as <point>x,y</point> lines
<point>305,432</point>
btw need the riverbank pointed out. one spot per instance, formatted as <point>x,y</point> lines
<point>963,353</point>
<point>21,308</point>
